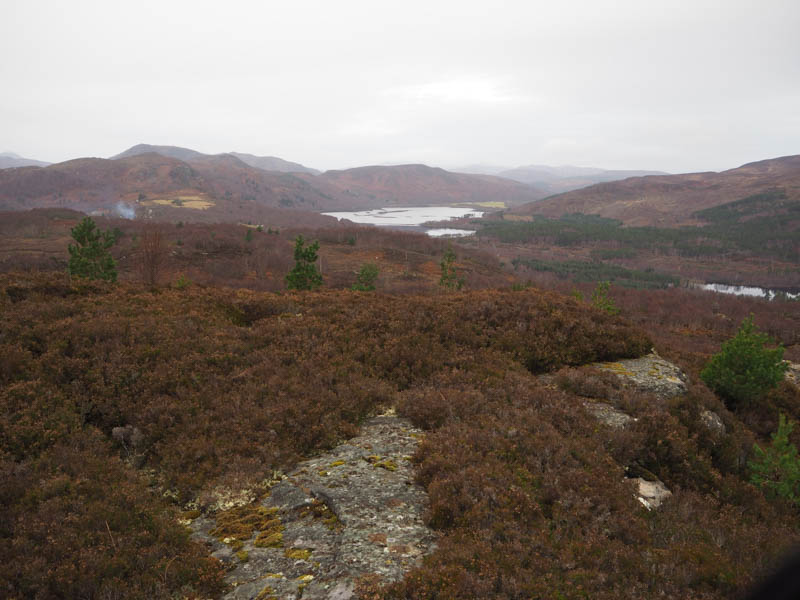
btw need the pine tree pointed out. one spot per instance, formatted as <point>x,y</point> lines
<point>776,469</point>
<point>365,280</point>
<point>745,369</point>
<point>304,275</point>
<point>450,279</point>
<point>89,257</point>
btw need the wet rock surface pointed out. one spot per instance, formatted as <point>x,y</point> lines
<point>650,373</point>
<point>350,512</point>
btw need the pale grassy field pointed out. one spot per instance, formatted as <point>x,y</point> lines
<point>195,202</point>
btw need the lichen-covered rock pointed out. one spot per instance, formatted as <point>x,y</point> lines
<point>649,373</point>
<point>713,421</point>
<point>351,512</point>
<point>793,372</point>
<point>608,415</point>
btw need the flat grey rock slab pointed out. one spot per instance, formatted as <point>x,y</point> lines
<point>353,511</point>
<point>607,414</point>
<point>650,373</point>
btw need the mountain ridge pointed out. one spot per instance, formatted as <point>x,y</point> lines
<point>12,160</point>
<point>223,187</point>
<point>671,200</point>
<point>265,163</point>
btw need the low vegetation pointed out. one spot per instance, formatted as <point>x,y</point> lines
<point>215,388</point>
<point>577,270</point>
<point>125,408</point>
<point>761,225</point>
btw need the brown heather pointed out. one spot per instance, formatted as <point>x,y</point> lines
<point>224,386</point>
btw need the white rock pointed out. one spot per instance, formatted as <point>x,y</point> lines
<point>652,493</point>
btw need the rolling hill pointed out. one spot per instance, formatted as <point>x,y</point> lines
<point>210,189</point>
<point>265,163</point>
<point>10,160</point>
<point>555,180</point>
<point>409,185</point>
<point>671,200</point>
<point>191,186</point>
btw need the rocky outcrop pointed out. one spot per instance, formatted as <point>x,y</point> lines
<point>649,373</point>
<point>351,512</point>
<point>608,415</point>
<point>713,421</point>
<point>651,493</point>
<point>793,372</point>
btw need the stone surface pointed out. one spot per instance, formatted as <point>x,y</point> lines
<point>608,415</point>
<point>713,421</point>
<point>793,372</point>
<point>356,509</point>
<point>649,373</point>
<point>652,493</point>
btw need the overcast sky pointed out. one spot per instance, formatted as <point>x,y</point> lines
<point>643,84</point>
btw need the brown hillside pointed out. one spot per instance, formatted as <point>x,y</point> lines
<point>409,185</point>
<point>671,200</point>
<point>210,189</point>
<point>225,189</point>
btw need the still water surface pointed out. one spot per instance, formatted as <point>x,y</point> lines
<point>412,216</point>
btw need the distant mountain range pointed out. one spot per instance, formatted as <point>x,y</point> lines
<point>172,183</point>
<point>556,180</point>
<point>9,160</point>
<point>265,163</point>
<point>672,200</point>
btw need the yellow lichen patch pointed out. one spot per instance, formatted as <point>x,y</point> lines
<point>243,555</point>
<point>320,510</point>
<point>337,463</point>
<point>234,543</point>
<point>305,578</point>
<point>270,539</point>
<point>387,464</point>
<point>265,594</point>
<point>615,367</point>
<point>297,553</point>
<point>240,522</point>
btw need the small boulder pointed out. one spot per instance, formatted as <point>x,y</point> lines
<point>713,421</point>
<point>651,493</point>
<point>792,372</point>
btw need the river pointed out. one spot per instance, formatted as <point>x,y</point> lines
<point>746,290</point>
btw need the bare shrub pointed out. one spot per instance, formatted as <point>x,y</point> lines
<point>152,254</point>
